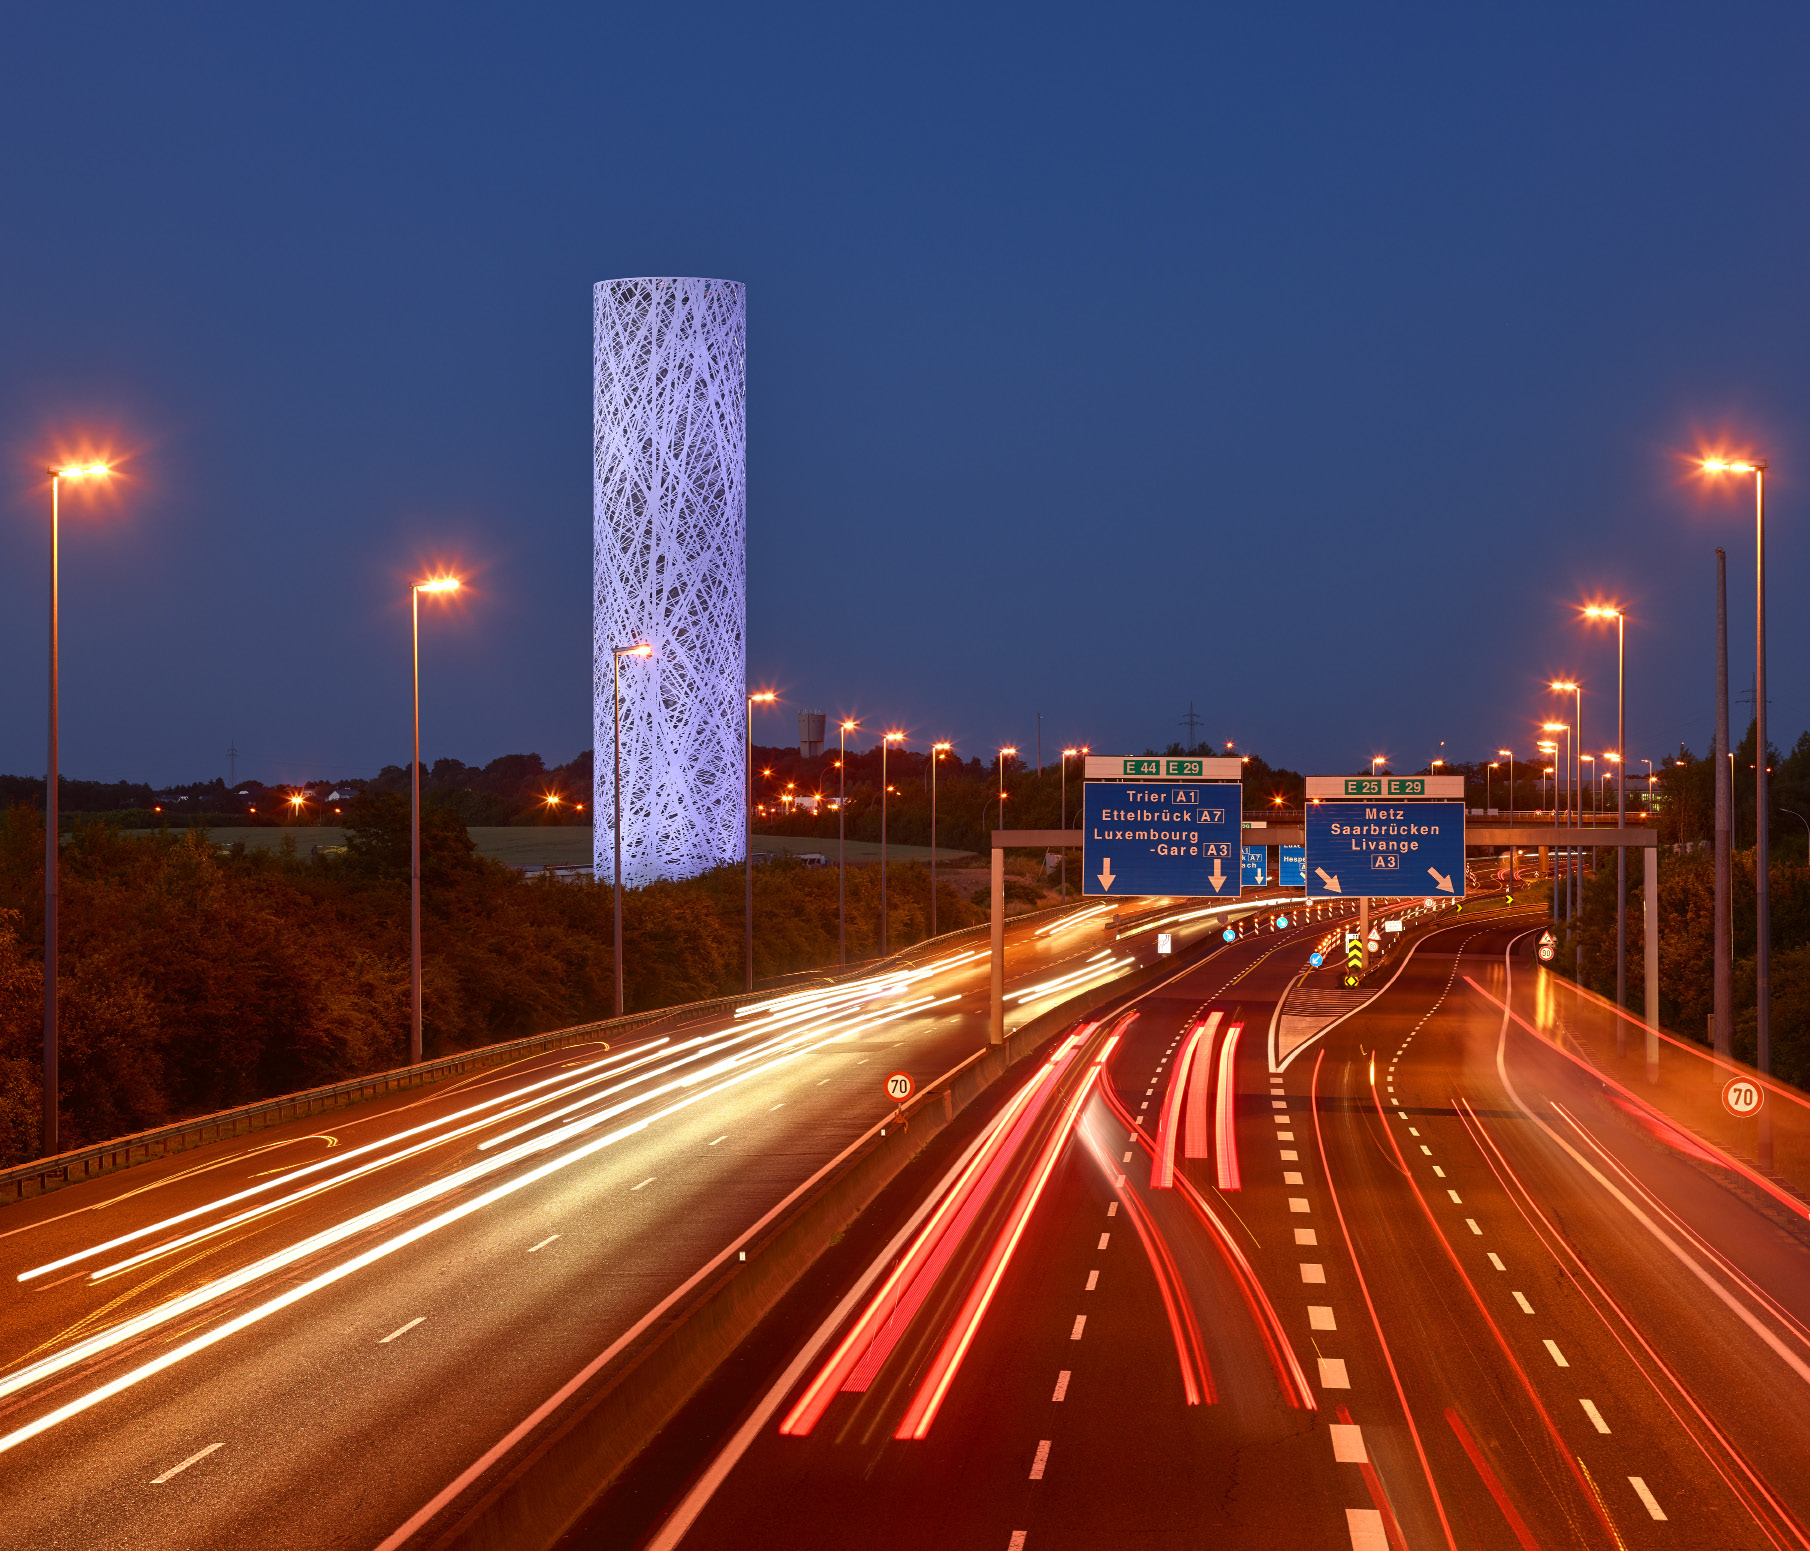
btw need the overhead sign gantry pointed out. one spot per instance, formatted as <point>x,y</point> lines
<point>1161,825</point>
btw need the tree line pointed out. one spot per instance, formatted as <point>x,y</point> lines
<point>192,980</point>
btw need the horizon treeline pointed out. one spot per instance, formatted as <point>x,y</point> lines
<point>191,980</point>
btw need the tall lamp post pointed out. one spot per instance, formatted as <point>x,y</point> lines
<point>1509,755</point>
<point>434,585</point>
<point>1762,875</point>
<point>1003,754</point>
<point>1575,777</point>
<point>842,844</point>
<point>1562,762</point>
<point>1062,821</point>
<point>937,751</point>
<point>1609,611</point>
<point>886,742</point>
<point>761,697</point>
<point>52,821</point>
<point>617,653</point>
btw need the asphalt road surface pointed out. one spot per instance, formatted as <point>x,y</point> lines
<point>308,1337</point>
<point>1418,1279</point>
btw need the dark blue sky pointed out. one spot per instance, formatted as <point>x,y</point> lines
<point>1306,362</point>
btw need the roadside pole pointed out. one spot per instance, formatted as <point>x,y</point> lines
<point>996,1025</point>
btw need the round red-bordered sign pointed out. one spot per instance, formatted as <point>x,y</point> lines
<point>1742,1097</point>
<point>899,1086</point>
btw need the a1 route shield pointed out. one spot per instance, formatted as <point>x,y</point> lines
<point>1161,837</point>
<point>1384,849</point>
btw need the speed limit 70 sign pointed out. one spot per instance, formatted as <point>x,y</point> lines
<point>898,1086</point>
<point>1742,1096</point>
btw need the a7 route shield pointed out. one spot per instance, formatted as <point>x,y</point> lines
<point>1162,837</point>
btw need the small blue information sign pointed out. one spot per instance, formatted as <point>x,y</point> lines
<point>1291,867</point>
<point>1385,849</point>
<point>1161,837</point>
<point>1255,872</point>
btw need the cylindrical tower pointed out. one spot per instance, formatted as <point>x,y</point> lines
<point>670,516</point>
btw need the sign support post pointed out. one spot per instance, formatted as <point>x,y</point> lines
<point>996,1024</point>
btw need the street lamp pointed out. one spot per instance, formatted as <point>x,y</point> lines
<point>1602,611</point>
<point>52,823</point>
<point>1575,776</point>
<point>937,751</point>
<point>1564,765</point>
<point>617,653</point>
<point>1761,871</point>
<point>842,844</point>
<point>1062,823</point>
<point>1584,777</point>
<point>761,697</point>
<point>434,586</point>
<point>1509,755</point>
<point>886,742</point>
<point>1002,785</point>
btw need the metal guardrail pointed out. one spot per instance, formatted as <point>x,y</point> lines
<point>46,1174</point>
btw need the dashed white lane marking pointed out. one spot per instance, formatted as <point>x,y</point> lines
<point>719,1139</point>
<point>1310,1272</point>
<point>1652,1502</point>
<point>1320,1317</point>
<point>1441,1174</point>
<point>1348,1443</point>
<point>1557,1356</point>
<point>402,1330</point>
<point>1496,1261</point>
<point>1298,1204</point>
<point>1062,1385</point>
<point>644,1183</point>
<point>1104,1238</point>
<point>1306,1236</point>
<point>1080,1325</point>
<point>1426,1149</point>
<point>1289,1155</point>
<point>1332,1373</point>
<point>1112,1208</point>
<point>1471,1223</point>
<point>1292,1177</point>
<point>1596,1417</point>
<point>1526,1307</point>
<point>1456,1200</point>
<point>1016,1543</point>
<point>1040,1459</point>
<point>1278,1103</point>
<point>1285,1136</point>
<point>201,1454</point>
<point>1364,1524</point>
<point>1125,1159</point>
<point>543,1243</point>
<point>1093,1280</point>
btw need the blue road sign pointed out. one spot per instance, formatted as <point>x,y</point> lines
<point>1160,837</point>
<point>1385,849</point>
<point>1255,871</point>
<point>1291,867</point>
<point>1282,923</point>
<point>1232,936</point>
<point>1316,958</point>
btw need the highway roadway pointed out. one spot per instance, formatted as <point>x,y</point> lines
<point>1420,1279</point>
<point>334,1332</point>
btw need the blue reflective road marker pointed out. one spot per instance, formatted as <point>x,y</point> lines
<point>1385,849</point>
<point>1162,837</point>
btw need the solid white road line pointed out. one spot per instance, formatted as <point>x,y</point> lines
<point>403,1330</point>
<point>1062,1385</point>
<point>1652,1503</point>
<point>1596,1417</point>
<point>1320,1317</point>
<point>1040,1459</point>
<point>1080,1325</point>
<point>543,1243</point>
<point>201,1454</point>
<point>1557,1356</point>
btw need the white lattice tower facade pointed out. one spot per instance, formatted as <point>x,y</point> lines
<point>670,514</point>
